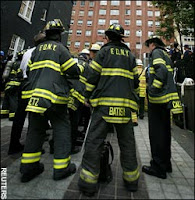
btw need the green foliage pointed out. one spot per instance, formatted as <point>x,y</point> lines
<point>175,15</point>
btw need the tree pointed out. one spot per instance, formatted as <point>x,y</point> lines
<point>175,15</point>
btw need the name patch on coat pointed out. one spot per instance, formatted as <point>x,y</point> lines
<point>116,111</point>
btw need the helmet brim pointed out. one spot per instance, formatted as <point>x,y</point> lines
<point>154,40</point>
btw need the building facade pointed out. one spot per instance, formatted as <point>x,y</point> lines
<point>91,18</point>
<point>22,20</point>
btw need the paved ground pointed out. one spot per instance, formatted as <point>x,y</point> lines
<point>178,185</point>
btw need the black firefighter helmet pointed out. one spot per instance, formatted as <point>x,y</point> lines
<point>115,30</point>
<point>154,39</point>
<point>54,25</point>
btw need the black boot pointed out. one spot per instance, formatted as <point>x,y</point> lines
<point>154,172</point>
<point>63,173</point>
<point>30,171</point>
<point>131,186</point>
<point>87,189</point>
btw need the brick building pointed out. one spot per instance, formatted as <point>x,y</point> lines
<point>91,18</point>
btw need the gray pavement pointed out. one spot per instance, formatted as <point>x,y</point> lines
<point>178,185</point>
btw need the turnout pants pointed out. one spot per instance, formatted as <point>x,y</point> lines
<point>94,143</point>
<point>59,119</point>
<point>160,136</point>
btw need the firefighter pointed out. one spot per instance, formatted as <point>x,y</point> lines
<point>15,146</point>
<point>162,97</point>
<point>110,89</point>
<point>49,66</point>
<point>93,50</point>
<point>142,87</point>
<point>12,76</point>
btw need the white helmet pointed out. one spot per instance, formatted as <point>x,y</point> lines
<point>139,62</point>
<point>86,51</point>
<point>95,47</point>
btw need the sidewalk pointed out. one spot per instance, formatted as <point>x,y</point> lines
<point>178,185</point>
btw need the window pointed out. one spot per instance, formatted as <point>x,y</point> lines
<point>68,43</point>
<point>103,3</point>
<point>100,43</point>
<point>79,32</point>
<point>127,3</point>
<point>127,21</point>
<point>128,44</point>
<point>43,18</point>
<point>26,10</point>
<point>74,3</point>
<point>150,13</point>
<point>115,3</point>
<point>80,22</point>
<point>70,32</point>
<point>114,12</point>
<point>101,21</point>
<point>127,12</point>
<point>87,33</point>
<point>157,24</point>
<point>16,45</point>
<point>87,44</point>
<point>91,4</point>
<point>157,13</point>
<point>81,13</point>
<point>102,12</point>
<point>138,3</point>
<point>150,33</point>
<point>82,3</point>
<point>149,3</point>
<point>100,32</point>
<point>138,22</point>
<point>114,21</point>
<point>150,23</point>
<point>138,12</point>
<point>138,45</point>
<point>139,33</point>
<point>90,13</point>
<point>127,33</point>
<point>77,44</point>
<point>73,12</point>
<point>89,23</point>
<point>71,22</point>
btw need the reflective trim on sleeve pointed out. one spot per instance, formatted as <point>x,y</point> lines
<point>69,63</point>
<point>156,83</point>
<point>158,61</point>
<point>97,67</point>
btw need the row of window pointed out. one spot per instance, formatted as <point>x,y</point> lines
<point>127,22</point>
<point>112,3</point>
<point>150,13</point>
<point>77,44</point>
<point>138,33</point>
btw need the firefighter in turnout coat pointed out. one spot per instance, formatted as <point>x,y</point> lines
<point>162,96</point>
<point>48,90</point>
<point>110,87</point>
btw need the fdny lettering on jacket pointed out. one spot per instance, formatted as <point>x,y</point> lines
<point>119,52</point>
<point>49,46</point>
<point>116,111</point>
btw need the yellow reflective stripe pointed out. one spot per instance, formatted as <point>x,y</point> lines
<point>46,63</point>
<point>88,176</point>
<point>111,101</point>
<point>117,72</point>
<point>177,110</point>
<point>35,109</point>
<point>61,163</point>
<point>97,67</point>
<point>7,87</point>
<point>135,71</point>
<point>152,70</point>
<point>134,115</point>
<point>158,61</point>
<point>81,68</point>
<point>164,99</point>
<point>19,70</point>
<point>45,94</point>
<point>11,114</point>
<point>68,64</point>
<point>131,176</point>
<point>137,90</point>
<point>82,79</point>
<point>89,87</point>
<point>13,83</point>
<point>31,157</point>
<point>13,72</point>
<point>77,95</point>
<point>156,83</point>
<point>169,68</point>
<point>118,120</point>
<point>4,112</point>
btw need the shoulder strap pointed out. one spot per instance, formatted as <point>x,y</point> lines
<point>111,151</point>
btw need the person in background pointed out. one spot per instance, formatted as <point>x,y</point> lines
<point>110,86</point>
<point>162,97</point>
<point>93,50</point>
